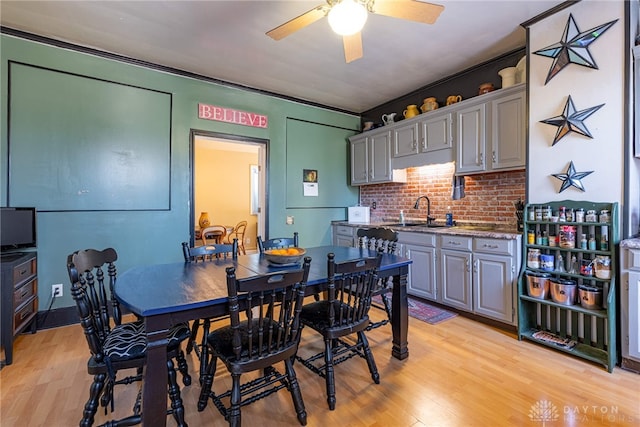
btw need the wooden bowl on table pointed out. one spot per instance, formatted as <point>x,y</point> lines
<point>284,256</point>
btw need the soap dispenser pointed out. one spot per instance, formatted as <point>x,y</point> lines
<point>449,217</point>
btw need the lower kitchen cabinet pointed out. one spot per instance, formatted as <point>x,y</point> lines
<point>456,279</point>
<point>343,235</point>
<point>421,249</point>
<point>630,307</point>
<point>493,286</point>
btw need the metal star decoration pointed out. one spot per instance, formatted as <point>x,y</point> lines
<point>571,178</point>
<point>571,121</point>
<point>573,48</point>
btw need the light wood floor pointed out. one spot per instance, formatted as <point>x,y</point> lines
<point>459,373</point>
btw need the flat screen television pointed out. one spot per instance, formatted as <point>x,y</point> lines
<point>17,228</point>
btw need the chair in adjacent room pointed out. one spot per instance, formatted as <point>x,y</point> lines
<point>116,346</point>
<point>213,234</point>
<point>280,242</point>
<point>264,331</point>
<point>201,254</point>
<point>386,240</point>
<point>238,233</point>
<point>341,313</point>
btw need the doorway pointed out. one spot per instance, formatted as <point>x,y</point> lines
<point>228,181</point>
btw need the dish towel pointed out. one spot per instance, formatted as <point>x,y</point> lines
<point>457,187</point>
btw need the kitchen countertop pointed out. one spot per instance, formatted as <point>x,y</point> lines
<point>494,231</point>
<point>633,243</point>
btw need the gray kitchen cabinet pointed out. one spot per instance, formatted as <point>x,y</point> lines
<point>490,132</point>
<point>371,159</point>
<point>494,278</point>
<point>421,249</point>
<point>343,235</point>
<point>471,138</point>
<point>423,134</point>
<point>630,307</point>
<point>455,265</point>
<point>405,140</point>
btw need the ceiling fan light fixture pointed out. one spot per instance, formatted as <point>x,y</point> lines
<point>347,17</point>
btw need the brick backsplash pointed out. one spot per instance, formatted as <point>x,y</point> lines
<point>488,197</point>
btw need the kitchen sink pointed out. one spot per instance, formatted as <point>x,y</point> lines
<point>416,224</point>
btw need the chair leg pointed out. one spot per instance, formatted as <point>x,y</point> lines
<point>369,356</point>
<point>91,406</point>
<point>387,304</point>
<point>207,381</point>
<point>174,394</point>
<point>204,348</point>
<point>183,368</point>
<point>192,339</point>
<point>236,399</point>
<point>329,374</point>
<point>296,394</point>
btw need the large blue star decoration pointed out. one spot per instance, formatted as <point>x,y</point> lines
<point>571,178</point>
<point>571,120</point>
<point>573,48</point>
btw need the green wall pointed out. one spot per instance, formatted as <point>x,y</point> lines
<point>153,236</point>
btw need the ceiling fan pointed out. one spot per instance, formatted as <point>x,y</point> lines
<point>347,17</point>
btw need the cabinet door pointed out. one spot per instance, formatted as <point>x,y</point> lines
<point>508,132</point>
<point>471,139</point>
<point>435,133</point>
<point>405,140</point>
<point>634,318</point>
<point>359,162</point>
<point>380,157</point>
<point>456,278</point>
<point>422,272</point>
<point>493,286</point>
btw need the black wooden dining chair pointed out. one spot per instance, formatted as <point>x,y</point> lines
<point>114,345</point>
<point>386,240</point>
<point>201,254</point>
<point>343,312</point>
<point>280,242</point>
<point>264,330</point>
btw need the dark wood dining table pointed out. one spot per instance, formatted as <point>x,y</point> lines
<point>166,294</point>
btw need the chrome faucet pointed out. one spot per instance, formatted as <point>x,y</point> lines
<point>417,206</point>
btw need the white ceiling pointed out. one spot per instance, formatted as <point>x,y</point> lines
<point>226,40</point>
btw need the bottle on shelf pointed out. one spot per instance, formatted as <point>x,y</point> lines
<point>592,242</point>
<point>560,264</point>
<point>573,269</point>
<point>604,238</point>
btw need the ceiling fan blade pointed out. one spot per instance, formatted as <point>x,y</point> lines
<point>298,23</point>
<point>352,47</point>
<point>410,10</point>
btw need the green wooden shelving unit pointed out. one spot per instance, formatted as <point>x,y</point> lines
<point>592,332</point>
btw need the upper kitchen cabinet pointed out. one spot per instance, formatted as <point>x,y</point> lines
<point>490,132</point>
<point>371,159</point>
<point>425,139</point>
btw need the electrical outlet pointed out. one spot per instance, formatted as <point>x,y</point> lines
<point>289,220</point>
<point>56,290</point>
<point>374,205</point>
<point>247,240</point>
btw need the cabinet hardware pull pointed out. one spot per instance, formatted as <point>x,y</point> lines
<point>490,246</point>
<point>453,243</point>
<point>493,156</point>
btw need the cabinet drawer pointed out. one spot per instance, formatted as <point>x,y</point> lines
<point>345,230</point>
<point>24,315</point>
<point>23,271</point>
<point>421,239</point>
<point>24,292</point>
<point>633,260</point>
<point>460,243</point>
<point>493,246</point>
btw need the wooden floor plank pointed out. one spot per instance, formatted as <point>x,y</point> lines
<point>459,373</point>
